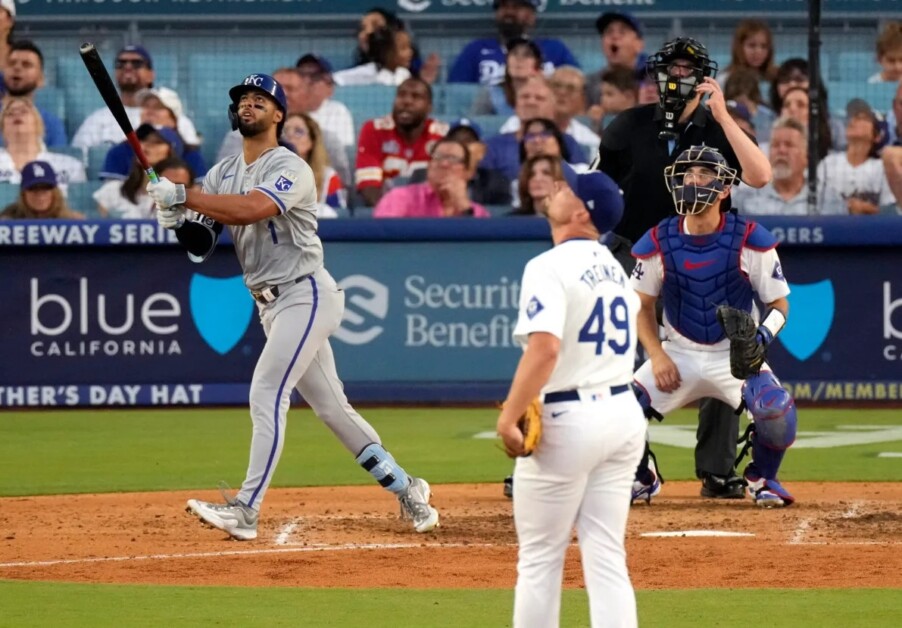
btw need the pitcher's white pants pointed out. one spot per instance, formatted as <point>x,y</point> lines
<point>582,474</point>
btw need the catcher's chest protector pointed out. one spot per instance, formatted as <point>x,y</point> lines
<point>700,273</point>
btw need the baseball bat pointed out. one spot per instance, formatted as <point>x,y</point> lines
<point>110,96</point>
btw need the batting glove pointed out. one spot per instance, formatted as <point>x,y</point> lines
<point>171,217</point>
<point>165,193</point>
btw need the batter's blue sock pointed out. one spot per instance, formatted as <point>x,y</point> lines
<point>383,467</point>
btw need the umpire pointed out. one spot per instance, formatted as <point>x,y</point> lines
<point>634,151</point>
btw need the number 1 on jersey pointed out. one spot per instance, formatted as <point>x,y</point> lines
<point>593,329</point>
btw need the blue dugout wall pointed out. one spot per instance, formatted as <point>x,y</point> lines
<point>113,313</point>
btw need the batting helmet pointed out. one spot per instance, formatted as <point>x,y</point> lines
<point>703,191</point>
<point>262,83</point>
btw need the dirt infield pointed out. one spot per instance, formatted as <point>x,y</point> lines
<point>837,535</point>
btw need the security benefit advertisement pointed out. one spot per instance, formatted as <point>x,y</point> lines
<point>111,325</point>
<point>843,339</point>
<point>429,311</point>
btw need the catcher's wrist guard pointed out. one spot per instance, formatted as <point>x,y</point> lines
<point>771,325</point>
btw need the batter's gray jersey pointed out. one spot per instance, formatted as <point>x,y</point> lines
<point>281,249</point>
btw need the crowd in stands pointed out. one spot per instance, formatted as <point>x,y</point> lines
<point>410,162</point>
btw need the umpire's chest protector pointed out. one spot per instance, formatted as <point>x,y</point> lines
<point>702,272</point>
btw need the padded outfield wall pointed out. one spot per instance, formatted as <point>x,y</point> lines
<point>113,313</point>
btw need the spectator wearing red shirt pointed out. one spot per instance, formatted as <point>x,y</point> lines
<point>443,195</point>
<point>397,144</point>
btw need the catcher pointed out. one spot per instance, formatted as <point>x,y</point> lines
<point>709,267</point>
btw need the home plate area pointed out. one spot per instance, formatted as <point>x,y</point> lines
<point>836,535</point>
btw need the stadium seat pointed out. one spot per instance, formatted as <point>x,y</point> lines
<point>856,65</point>
<point>80,197</point>
<point>51,99</point>
<point>366,101</point>
<point>877,95</point>
<point>71,151</point>
<point>9,192</point>
<point>489,124</point>
<point>96,157</point>
<point>455,100</point>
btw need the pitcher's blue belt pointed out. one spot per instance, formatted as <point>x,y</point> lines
<point>573,395</point>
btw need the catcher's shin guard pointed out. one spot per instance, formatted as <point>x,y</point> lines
<point>774,413</point>
<point>648,480</point>
<point>380,464</point>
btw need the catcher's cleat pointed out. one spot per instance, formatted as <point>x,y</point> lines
<point>647,489</point>
<point>415,505</point>
<point>767,493</point>
<point>233,517</point>
<point>509,487</point>
<point>723,486</point>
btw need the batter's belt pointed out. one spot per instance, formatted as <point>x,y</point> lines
<point>269,294</point>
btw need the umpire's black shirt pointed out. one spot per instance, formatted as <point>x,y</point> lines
<point>632,155</point>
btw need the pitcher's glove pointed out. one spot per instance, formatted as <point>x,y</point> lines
<point>531,426</point>
<point>747,350</point>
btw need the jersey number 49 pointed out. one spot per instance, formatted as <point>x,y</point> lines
<point>593,330</point>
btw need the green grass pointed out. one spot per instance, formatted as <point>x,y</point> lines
<point>42,604</point>
<point>78,451</point>
<point>132,450</point>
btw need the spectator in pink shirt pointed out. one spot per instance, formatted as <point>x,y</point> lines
<point>443,195</point>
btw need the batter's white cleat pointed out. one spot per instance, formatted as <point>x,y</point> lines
<point>233,517</point>
<point>415,505</point>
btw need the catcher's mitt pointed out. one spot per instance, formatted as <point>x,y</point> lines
<point>747,354</point>
<point>531,426</point>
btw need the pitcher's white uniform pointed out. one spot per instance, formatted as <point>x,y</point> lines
<point>704,369</point>
<point>593,434</point>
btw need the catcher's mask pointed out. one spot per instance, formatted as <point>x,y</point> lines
<point>261,83</point>
<point>696,178</point>
<point>677,69</point>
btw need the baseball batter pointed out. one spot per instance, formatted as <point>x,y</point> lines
<point>266,196</point>
<point>577,322</point>
<point>696,261</point>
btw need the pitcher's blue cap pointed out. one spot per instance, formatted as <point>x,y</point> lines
<point>598,192</point>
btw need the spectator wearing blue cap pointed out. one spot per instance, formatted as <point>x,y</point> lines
<point>331,115</point>
<point>160,108</point>
<point>40,196</point>
<point>23,77</point>
<point>126,198</point>
<point>134,72</point>
<point>623,46</point>
<point>483,60</point>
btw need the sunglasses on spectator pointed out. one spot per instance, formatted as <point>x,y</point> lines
<point>537,135</point>
<point>314,76</point>
<point>452,160</point>
<point>133,63</point>
<point>567,87</point>
<point>298,132</point>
